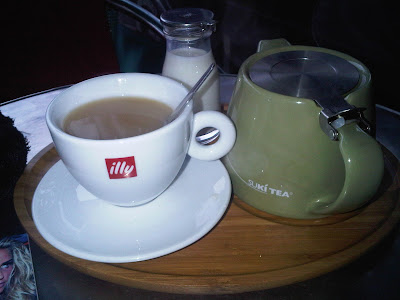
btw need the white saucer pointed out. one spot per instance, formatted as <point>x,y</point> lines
<point>77,223</point>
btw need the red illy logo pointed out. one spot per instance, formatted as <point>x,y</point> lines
<point>123,167</point>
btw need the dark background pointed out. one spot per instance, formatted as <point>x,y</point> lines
<point>54,43</point>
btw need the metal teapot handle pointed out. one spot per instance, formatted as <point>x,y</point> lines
<point>363,160</point>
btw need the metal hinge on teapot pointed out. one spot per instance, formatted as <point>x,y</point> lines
<point>336,112</point>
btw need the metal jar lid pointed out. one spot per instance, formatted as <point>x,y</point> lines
<point>187,22</point>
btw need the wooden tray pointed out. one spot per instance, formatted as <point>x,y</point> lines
<point>243,252</point>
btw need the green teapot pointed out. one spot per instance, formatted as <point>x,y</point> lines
<point>304,147</point>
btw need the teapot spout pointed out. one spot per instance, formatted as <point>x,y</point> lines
<point>265,45</point>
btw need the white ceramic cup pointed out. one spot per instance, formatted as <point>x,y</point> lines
<point>135,170</point>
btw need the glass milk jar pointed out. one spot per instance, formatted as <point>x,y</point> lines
<point>187,32</point>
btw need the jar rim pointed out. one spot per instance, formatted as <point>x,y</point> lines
<point>187,18</point>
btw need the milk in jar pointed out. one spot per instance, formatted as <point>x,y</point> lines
<point>187,32</point>
<point>187,65</point>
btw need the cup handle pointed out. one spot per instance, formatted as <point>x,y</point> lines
<point>225,141</point>
<point>363,160</point>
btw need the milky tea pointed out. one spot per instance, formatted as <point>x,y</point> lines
<point>116,118</point>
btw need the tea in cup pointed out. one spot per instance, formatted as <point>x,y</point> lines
<point>110,133</point>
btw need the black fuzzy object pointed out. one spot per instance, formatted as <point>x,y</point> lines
<point>13,154</point>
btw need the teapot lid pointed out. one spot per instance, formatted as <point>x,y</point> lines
<point>305,74</point>
<point>318,76</point>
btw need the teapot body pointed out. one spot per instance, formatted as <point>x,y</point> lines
<point>282,162</point>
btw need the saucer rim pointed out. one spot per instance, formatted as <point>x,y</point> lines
<point>226,196</point>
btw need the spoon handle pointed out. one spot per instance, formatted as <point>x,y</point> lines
<point>190,95</point>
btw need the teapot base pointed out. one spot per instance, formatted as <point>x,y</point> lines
<point>296,222</point>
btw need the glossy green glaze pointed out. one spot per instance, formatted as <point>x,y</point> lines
<point>284,164</point>
<point>364,165</point>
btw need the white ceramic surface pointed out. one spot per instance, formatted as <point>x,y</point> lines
<point>77,223</point>
<point>132,171</point>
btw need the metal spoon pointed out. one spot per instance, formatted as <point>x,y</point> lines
<point>178,110</point>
